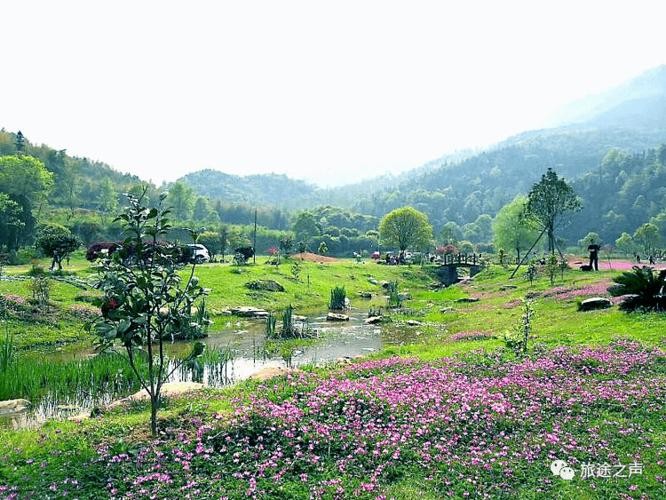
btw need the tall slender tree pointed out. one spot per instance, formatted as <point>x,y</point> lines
<point>550,202</point>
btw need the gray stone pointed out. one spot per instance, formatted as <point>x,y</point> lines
<point>373,320</point>
<point>267,285</point>
<point>249,312</point>
<point>447,310</point>
<point>365,295</point>
<point>70,408</point>
<point>336,317</point>
<point>373,281</point>
<point>413,322</point>
<point>13,406</point>
<point>595,303</point>
<point>466,300</point>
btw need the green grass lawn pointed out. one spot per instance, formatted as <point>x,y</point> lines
<point>36,460</point>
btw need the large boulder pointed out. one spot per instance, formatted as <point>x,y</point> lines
<point>170,389</point>
<point>270,372</point>
<point>13,406</point>
<point>336,317</point>
<point>594,303</point>
<point>266,285</point>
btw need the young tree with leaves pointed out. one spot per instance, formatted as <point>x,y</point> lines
<point>647,236</point>
<point>146,301</point>
<point>57,242</point>
<point>405,228</point>
<point>511,229</point>
<point>549,202</point>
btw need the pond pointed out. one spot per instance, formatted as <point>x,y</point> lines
<point>76,382</point>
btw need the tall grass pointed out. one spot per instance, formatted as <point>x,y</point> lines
<point>338,298</point>
<point>394,301</point>
<point>101,376</point>
<point>291,329</point>
<point>288,321</point>
<point>7,351</point>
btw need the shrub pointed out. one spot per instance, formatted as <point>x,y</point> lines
<point>518,338</point>
<point>40,286</point>
<point>338,298</point>
<point>394,300</point>
<point>56,242</point>
<point>644,288</point>
<point>146,301</point>
<point>101,249</point>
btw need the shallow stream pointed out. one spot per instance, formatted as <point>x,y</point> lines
<point>243,339</point>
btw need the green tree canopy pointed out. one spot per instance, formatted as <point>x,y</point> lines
<point>625,244</point>
<point>305,226</point>
<point>181,200</point>
<point>57,242</point>
<point>512,231</point>
<point>647,236</point>
<point>405,228</point>
<point>549,203</point>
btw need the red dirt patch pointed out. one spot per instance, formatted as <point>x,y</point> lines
<point>313,257</point>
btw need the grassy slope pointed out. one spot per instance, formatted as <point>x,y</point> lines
<point>60,444</point>
<point>310,293</point>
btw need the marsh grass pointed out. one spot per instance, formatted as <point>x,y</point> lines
<point>7,351</point>
<point>338,298</point>
<point>34,378</point>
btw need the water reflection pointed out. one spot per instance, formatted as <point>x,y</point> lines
<point>235,351</point>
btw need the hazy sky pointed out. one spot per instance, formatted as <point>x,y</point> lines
<point>327,91</point>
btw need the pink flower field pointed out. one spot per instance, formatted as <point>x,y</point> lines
<point>485,426</point>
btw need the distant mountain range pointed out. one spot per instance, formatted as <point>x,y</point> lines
<point>459,188</point>
<point>631,117</point>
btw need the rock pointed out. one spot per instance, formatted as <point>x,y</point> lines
<point>404,296</point>
<point>336,317</point>
<point>79,417</point>
<point>503,288</point>
<point>249,312</point>
<point>373,320</point>
<point>267,285</point>
<point>300,319</point>
<point>169,389</point>
<point>467,300</point>
<point>447,310</point>
<point>365,295</point>
<point>385,284</point>
<point>14,406</point>
<point>70,408</point>
<point>373,281</point>
<point>595,303</point>
<point>413,322</point>
<point>347,303</point>
<point>343,360</point>
<point>270,372</point>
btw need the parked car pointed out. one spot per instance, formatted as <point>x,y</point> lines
<point>198,253</point>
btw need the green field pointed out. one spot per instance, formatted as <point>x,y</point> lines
<point>114,455</point>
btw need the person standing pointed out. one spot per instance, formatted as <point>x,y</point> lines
<point>593,248</point>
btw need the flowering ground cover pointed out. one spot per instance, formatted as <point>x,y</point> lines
<point>478,425</point>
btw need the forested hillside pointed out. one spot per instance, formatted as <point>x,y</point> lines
<point>78,182</point>
<point>608,147</point>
